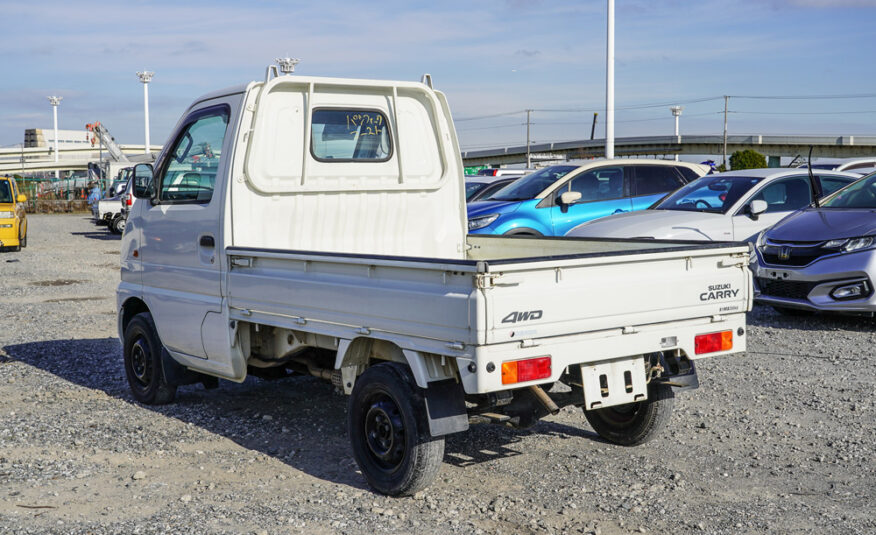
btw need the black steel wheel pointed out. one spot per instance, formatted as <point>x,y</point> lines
<point>142,354</point>
<point>634,423</point>
<point>389,431</point>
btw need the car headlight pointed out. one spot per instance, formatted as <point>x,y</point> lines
<point>849,245</point>
<point>7,215</point>
<point>481,222</point>
<point>761,239</point>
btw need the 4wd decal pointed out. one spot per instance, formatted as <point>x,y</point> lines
<point>719,291</point>
<point>514,317</point>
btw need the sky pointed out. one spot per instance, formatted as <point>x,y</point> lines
<point>492,58</point>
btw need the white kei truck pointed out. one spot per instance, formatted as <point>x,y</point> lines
<point>318,226</point>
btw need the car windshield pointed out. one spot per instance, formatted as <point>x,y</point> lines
<point>860,194</point>
<point>531,185</point>
<point>712,193</point>
<point>5,191</point>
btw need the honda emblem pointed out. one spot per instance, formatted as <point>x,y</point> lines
<point>784,253</point>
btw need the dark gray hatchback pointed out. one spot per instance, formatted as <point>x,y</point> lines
<point>822,259</point>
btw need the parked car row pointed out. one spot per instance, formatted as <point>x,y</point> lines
<point>815,232</point>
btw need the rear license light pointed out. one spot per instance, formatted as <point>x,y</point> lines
<point>520,371</point>
<point>709,343</point>
<point>129,200</point>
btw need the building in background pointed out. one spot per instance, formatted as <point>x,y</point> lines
<point>67,139</point>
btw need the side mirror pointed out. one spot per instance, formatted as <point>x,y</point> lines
<point>21,198</point>
<point>756,208</point>
<point>570,197</point>
<point>143,181</point>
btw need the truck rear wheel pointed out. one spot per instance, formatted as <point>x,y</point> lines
<point>142,353</point>
<point>634,423</point>
<point>389,431</point>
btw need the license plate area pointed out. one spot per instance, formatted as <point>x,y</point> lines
<point>614,382</point>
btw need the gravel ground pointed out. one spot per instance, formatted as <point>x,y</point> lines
<point>779,439</point>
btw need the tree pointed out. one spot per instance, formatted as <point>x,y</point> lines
<point>747,159</point>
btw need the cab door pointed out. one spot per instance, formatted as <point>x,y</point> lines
<point>604,191</point>
<point>181,229</point>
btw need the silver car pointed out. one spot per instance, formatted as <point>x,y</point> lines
<point>822,258</point>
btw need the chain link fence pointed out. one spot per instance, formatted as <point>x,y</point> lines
<point>50,195</point>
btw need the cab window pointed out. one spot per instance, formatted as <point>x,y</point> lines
<point>350,136</point>
<point>6,191</point>
<point>190,173</point>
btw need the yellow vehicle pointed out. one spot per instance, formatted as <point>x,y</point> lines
<point>13,219</point>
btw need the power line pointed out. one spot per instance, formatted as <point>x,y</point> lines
<point>804,97</point>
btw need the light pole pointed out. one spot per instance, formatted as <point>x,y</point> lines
<point>146,77</point>
<point>676,112</point>
<point>55,102</point>
<point>609,84</point>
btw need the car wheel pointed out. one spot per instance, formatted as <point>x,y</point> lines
<point>118,224</point>
<point>142,355</point>
<point>634,423</point>
<point>23,240</point>
<point>389,431</point>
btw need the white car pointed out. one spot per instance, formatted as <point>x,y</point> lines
<point>732,206</point>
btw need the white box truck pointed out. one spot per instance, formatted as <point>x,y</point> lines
<point>318,226</point>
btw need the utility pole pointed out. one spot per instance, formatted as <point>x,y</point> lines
<point>726,100</point>
<point>609,84</point>
<point>593,126</point>
<point>55,102</point>
<point>528,154</point>
<point>146,77</point>
<point>676,112</point>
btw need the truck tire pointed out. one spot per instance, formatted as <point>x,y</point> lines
<point>142,354</point>
<point>634,423</point>
<point>389,431</point>
<point>23,240</point>
<point>118,224</point>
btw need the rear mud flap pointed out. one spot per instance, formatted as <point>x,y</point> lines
<point>445,407</point>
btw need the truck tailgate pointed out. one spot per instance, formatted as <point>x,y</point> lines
<point>526,300</point>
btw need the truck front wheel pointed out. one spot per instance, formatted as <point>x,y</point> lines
<point>634,423</point>
<point>142,353</point>
<point>389,431</point>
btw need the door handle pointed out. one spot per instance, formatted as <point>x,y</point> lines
<point>207,241</point>
<point>618,211</point>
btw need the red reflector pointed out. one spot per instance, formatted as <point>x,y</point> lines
<point>129,200</point>
<point>709,343</point>
<point>519,371</point>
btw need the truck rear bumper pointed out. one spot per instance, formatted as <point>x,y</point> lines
<point>596,347</point>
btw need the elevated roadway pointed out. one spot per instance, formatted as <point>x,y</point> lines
<point>771,146</point>
<point>42,159</point>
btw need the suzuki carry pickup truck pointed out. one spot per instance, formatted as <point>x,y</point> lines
<point>318,226</point>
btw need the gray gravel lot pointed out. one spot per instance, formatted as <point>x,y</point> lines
<point>780,439</point>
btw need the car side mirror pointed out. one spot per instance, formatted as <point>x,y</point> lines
<point>143,181</point>
<point>21,198</point>
<point>756,208</point>
<point>570,197</point>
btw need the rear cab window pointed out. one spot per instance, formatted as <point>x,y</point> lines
<point>348,135</point>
